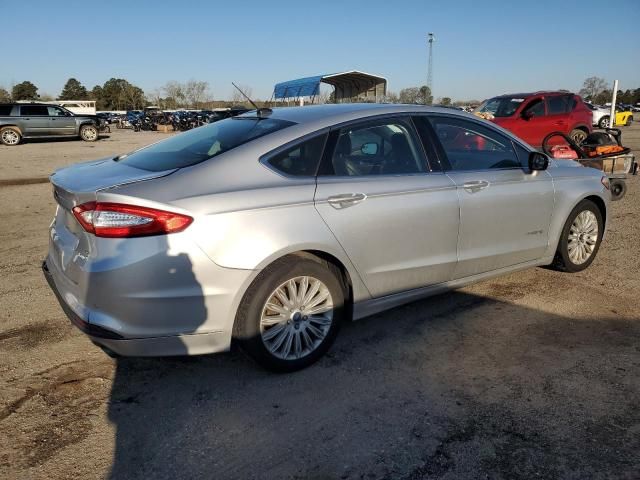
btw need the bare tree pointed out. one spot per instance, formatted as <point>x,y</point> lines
<point>391,97</point>
<point>196,92</point>
<point>174,92</point>
<point>237,98</point>
<point>593,87</point>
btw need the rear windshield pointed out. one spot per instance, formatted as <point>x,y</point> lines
<point>202,143</point>
<point>501,106</point>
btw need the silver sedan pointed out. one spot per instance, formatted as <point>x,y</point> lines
<point>269,229</point>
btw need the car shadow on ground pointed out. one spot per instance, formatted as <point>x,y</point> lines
<point>102,136</point>
<point>458,386</point>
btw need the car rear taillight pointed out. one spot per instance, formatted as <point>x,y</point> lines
<point>605,182</point>
<point>117,220</point>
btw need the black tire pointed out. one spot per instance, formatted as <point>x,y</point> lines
<point>578,135</point>
<point>618,189</point>
<point>562,261</point>
<point>10,136</point>
<point>89,133</point>
<point>629,121</point>
<point>247,328</point>
<point>604,122</point>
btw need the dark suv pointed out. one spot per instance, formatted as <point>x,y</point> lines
<point>41,120</point>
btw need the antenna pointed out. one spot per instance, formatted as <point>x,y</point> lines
<point>430,39</point>
<point>260,111</point>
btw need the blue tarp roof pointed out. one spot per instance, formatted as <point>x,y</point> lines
<point>302,87</point>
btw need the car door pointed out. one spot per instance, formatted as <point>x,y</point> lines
<point>558,108</point>
<point>396,218</point>
<point>61,122</point>
<point>35,120</point>
<point>505,210</point>
<point>533,123</point>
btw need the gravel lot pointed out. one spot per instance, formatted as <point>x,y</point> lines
<point>533,375</point>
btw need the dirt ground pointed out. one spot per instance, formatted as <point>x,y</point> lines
<point>533,375</point>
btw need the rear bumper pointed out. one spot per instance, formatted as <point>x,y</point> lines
<point>156,346</point>
<point>93,331</point>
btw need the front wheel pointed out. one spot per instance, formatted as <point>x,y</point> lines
<point>604,122</point>
<point>89,133</point>
<point>578,136</point>
<point>629,121</point>
<point>580,238</point>
<point>291,313</point>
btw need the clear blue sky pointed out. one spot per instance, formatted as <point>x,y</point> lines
<point>483,47</point>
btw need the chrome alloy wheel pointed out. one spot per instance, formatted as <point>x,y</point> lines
<point>89,133</point>
<point>10,137</point>
<point>583,236</point>
<point>296,318</point>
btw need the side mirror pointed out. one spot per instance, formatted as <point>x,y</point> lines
<point>538,161</point>
<point>527,115</point>
<point>369,148</point>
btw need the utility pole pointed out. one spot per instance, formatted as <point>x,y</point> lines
<point>430,39</point>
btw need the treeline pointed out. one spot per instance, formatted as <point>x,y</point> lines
<point>115,94</point>
<point>596,90</point>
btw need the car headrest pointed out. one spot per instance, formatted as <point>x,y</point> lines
<point>344,145</point>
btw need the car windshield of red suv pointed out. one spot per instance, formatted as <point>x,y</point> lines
<point>500,106</point>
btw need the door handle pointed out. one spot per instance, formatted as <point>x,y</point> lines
<point>475,186</point>
<point>345,200</point>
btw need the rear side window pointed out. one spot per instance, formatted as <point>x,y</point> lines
<point>5,110</point>
<point>557,105</point>
<point>471,146</point>
<point>34,111</point>
<point>384,147</point>
<point>300,160</point>
<point>202,143</point>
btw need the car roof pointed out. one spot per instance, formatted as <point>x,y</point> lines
<point>531,94</point>
<point>336,113</point>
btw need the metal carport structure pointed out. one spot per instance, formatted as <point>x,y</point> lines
<point>348,87</point>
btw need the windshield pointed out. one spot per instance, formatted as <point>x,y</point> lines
<point>500,106</point>
<point>201,143</point>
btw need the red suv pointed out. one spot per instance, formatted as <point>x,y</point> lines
<point>532,116</point>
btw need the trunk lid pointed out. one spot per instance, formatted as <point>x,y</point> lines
<point>80,183</point>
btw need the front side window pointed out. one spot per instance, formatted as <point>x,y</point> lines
<point>378,148</point>
<point>202,143</point>
<point>56,112</point>
<point>471,146</point>
<point>535,108</point>
<point>501,106</point>
<point>5,110</point>
<point>301,160</point>
<point>34,111</point>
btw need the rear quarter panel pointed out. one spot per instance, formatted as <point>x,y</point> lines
<point>572,184</point>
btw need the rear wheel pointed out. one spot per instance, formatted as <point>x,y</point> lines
<point>10,136</point>
<point>580,238</point>
<point>578,135</point>
<point>89,133</point>
<point>604,122</point>
<point>291,313</point>
<point>629,121</point>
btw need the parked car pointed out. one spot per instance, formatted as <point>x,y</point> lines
<point>271,228</point>
<point>598,113</point>
<point>601,116</point>
<point>19,121</point>
<point>532,116</point>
